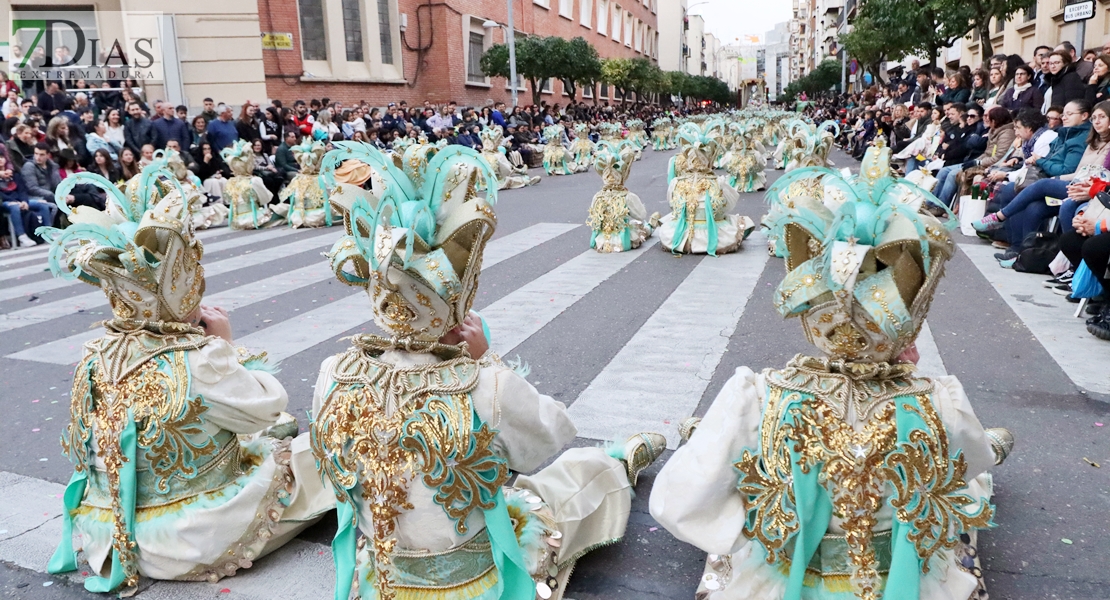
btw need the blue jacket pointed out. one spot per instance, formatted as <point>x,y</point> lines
<point>172,129</point>
<point>19,194</point>
<point>221,135</point>
<point>1066,150</point>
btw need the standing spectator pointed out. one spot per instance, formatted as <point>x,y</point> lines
<point>51,102</point>
<point>246,126</point>
<point>27,213</point>
<point>209,112</point>
<point>1064,84</point>
<point>284,160</point>
<point>129,164</point>
<point>169,127</point>
<point>1082,67</point>
<point>222,133</point>
<point>269,129</point>
<point>114,129</point>
<point>497,115</point>
<point>138,131</point>
<point>1098,84</point>
<point>182,112</point>
<point>1040,63</point>
<point>301,119</point>
<point>21,146</point>
<point>1023,94</point>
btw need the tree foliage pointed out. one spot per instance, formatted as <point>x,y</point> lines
<point>576,63</point>
<point>818,81</point>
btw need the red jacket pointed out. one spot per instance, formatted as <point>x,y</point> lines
<point>304,124</point>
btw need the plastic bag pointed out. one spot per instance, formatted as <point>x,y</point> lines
<point>970,212</point>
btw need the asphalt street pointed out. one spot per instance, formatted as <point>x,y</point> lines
<point>1012,344</point>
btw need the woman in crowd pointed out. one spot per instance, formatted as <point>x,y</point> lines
<point>1087,140</point>
<point>129,164</point>
<point>113,130</point>
<point>57,135</point>
<point>199,132</point>
<point>925,145</point>
<point>246,126</point>
<point>996,78</point>
<point>1064,84</point>
<point>1088,240</point>
<point>1033,136</point>
<point>96,140</point>
<point>1098,86</point>
<point>269,129</point>
<point>264,168</point>
<point>979,86</point>
<point>1023,94</point>
<point>324,129</point>
<point>958,91</point>
<point>211,170</point>
<point>105,165</point>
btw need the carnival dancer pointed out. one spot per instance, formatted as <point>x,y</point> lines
<point>699,222</point>
<point>556,158</point>
<point>185,466</point>
<point>844,476</point>
<point>744,163</point>
<point>582,148</point>
<point>304,201</point>
<point>636,134</point>
<point>246,195</point>
<point>165,173</point>
<point>508,176</point>
<point>418,431</point>
<point>617,216</point>
<point>661,133</point>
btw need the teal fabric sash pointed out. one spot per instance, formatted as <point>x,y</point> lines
<point>904,580</point>
<point>710,226</point>
<point>64,558</point>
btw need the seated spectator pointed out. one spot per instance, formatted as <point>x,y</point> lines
<point>977,130</point>
<point>27,213</point>
<point>1082,147</point>
<point>147,155</point>
<point>95,140</point>
<point>284,160</point>
<point>1023,94</point>
<point>198,132</point>
<point>953,149</point>
<point>1098,86</point>
<point>11,106</point>
<point>129,164</point>
<point>21,145</point>
<point>186,157</point>
<point>999,142</point>
<point>1032,136</point>
<point>958,91</point>
<point>211,169</point>
<point>41,175</point>
<point>324,130</point>
<point>997,79</point>
<point>980,88</point>
<point>266,170</point>
<point>104,164</point>
<point>57,135</point>
<point>82,194</point>
<point>1064,84</point>
<point>1088,241</point>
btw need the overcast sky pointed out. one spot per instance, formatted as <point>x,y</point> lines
<point>732,19</point>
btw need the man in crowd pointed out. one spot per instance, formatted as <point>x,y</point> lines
<point>169,127</point>
<point>301,119</point>
<point>41,175</point>
<point>284,160</point>
<point>221,131</point>
<point>51,102</point>
<point>209,112</point>
<point>1083,68</point>
<point>1040,65</point>
<point>498,117</point>
<point>138,131</point>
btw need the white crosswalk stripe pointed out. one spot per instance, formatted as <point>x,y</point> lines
<point>19,255</point>
<point>37,287</point>
<point>75,304</point>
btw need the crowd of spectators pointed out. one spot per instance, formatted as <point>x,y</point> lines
<point>1031,135</point>
<point>52,130</point>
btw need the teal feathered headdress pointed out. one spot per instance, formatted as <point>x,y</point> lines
<point>862,260</point>
<point>415,247</point>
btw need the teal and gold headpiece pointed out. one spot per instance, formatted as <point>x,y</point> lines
<point>240,158</point>
<point>491,138</point>
<point>613,161</point>
<point>140,250</point>
<point>699,148</point>
<point>416,248</point>
<point>862,260</point>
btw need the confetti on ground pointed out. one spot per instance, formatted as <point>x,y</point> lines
<point>35,430</point>
<point>43,459</point>
<point>1066,541</point>
<point>1097,424</point>
<point>47,583</point>
<point>653,529</point>
<point>225,591</point>
<point>1091,462</point>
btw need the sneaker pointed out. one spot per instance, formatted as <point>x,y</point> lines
<point>988,223</point>
<point>1062,290</point>
<point>936,211</point>
<point>1009,254</point>
<point>26,241</point>
<point>1100,329</point>
<point>1064,277</point>
<point>1007,263</point>
<point>1000,245</point>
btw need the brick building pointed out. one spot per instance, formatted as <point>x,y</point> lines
<point>390,50</point>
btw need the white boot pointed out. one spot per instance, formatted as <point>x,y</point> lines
<point>26,241</point>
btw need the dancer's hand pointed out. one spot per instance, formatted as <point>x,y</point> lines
<point>471,332</point>
<point>213,320</point>
<point>909,355</point>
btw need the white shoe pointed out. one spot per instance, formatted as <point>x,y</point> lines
<point>26,241</point>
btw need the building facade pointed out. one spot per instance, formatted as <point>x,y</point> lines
<point>390,50</point>
<point>1043,25</point>
<point>672,35</point>
<point>777,55</point>
<point>211,47</point>
<point>695,45</point>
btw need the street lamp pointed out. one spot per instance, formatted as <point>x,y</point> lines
<point>510,33</point>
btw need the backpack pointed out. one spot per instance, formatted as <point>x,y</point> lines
<point>1036,252</point>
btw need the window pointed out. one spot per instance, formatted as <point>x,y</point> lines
<point>545,86</point>
<point>352,30</point>
<point>313,45</point>
<point>566,8</point>
<point>385,32</point>
<point>615,20</point>
<point>543,3</point>
<point>638,36</point>
<point>476,48</point>
<point>603,16</point>
<point>628,29</point>
<point>585,11</point>
<point>999,25</point>
<point>1031,13</point>
<point>588,91</point>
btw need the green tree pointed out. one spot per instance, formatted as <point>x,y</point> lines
<point>618,73</point>
<point>536,60</point>
<point>915,26</point>
<point>981,13</point>
<point>576,63</point>
<point>821,79</point>
<point>645,76</point>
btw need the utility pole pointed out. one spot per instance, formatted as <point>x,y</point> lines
<point>843,71</point>
<point>511,33</point>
